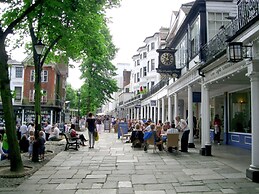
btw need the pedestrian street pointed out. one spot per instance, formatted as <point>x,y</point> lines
<point>114,167</point>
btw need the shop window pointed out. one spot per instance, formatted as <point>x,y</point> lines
<point>195,35</point>
<point>240,112</point>
<point>152,64</point>
<point>144,71</point>
<point>144,55</point>
<point>215,22</point>
<point>152,45</point>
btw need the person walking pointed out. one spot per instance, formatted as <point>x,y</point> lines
<point>217,127</point>
<point>91,125</point>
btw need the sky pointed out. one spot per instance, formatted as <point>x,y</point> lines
<point>130,24</point>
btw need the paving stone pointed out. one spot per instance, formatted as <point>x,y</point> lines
<point>228,191</point>
<point>115,168</point>
<point>182,189</point>
<point>124,184</point>
<point>64,186</point>
<point>143,179</point>
<point>125,190</point>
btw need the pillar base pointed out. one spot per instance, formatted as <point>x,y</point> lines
<point>253,175</point>
<point>191,145</point>
<point>207,150</point>
<point>202,151</point>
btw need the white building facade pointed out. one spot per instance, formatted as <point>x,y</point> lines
<point>210,83</point>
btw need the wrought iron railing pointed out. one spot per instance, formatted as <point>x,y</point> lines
<point>156,87</point>
<point>133,99</point>
<point>248,10</point>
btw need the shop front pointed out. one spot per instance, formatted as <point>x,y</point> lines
<point>239,133</point>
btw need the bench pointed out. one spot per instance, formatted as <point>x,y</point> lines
<point>71,143</point>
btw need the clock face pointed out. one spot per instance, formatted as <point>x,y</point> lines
<point>167,58</point>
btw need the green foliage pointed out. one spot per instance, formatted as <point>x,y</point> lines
<point>71,96</point>
<point>71,29</point>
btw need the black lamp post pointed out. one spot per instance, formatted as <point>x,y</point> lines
<point>78,110</point>
<point>39,48</point>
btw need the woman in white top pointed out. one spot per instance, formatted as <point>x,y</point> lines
<point>185,136</point>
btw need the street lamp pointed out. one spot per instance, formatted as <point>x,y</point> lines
<point>237,51</point>
<point>78,111</point>
<point>39,48</point>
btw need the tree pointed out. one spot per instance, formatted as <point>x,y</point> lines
<point>5,30</point>
<point>98,75</point>
<point>70,28</point>
<point>71,96</point>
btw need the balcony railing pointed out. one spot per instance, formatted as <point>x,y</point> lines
<point>155,88</point>
<point>248,11</point>
<point>133,99</point>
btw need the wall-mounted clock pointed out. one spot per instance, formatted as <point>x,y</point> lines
<point>167,58</point>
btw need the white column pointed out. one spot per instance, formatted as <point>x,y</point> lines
<point>22,117</point>
<point>138,112</point>
<point>128,113</point>
<point>148,111</point>
<point>135,112</point>
<point>205,117</point>
<point>141,112</point>
<point>155,115</point>
<point>131,113</point>
<point>158,110</point>
<point>170,109</point>
<point>144,111</point>
<point>190,114</point>
<point>254,79</point>
<point>51,117</point>
<point>175,106</point>
<point>163,110</point>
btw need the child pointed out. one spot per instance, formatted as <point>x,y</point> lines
<point>24,144</point>
<point>31,142</point>
<point>2,154</point>
<point>41,142</point>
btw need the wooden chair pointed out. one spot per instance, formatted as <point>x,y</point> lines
<point>172,141</point>
<point>124,136</point>
<point>151,141</point>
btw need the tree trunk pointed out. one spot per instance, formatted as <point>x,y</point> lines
<point>9,117</point>
<point>37,108</point>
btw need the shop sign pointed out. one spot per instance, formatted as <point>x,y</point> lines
<point>153,103</point>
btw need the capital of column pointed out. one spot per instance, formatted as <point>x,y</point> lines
<point>254,76</point>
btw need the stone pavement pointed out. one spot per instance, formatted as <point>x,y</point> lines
<point>113,167</point>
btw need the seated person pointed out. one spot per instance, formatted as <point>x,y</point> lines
<point>148,135</point>
<point>54,134</point>
<point>41,142</point>
<point>172,129</point>
<point>2,154</point>
<point>164,131</point>
<point>74,134</point>
<point>137,137</point>
<point>24,144</point>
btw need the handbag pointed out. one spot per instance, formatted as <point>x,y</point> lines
<point>96,136</point>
